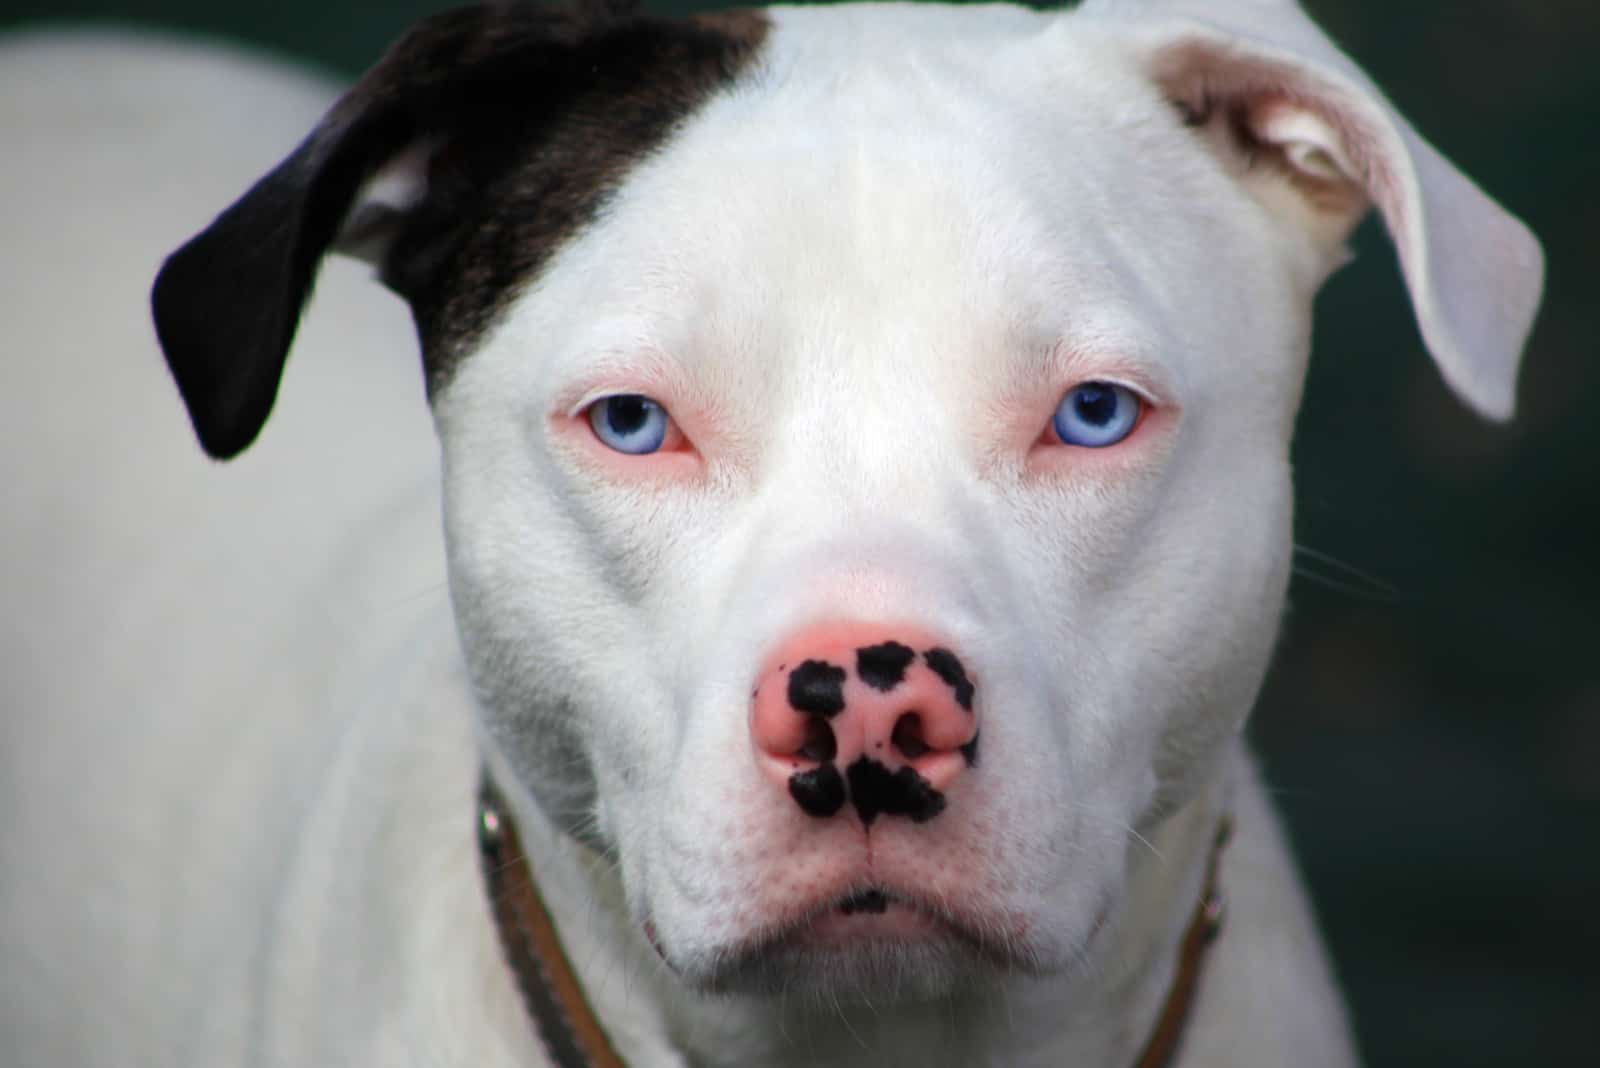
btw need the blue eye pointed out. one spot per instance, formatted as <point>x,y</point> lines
<point>1097,414</point>
<point>629,423</point>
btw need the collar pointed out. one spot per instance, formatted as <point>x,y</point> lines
<point>569,1031</point>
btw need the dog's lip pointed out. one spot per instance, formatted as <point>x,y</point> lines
<point>870,900</point>
<point>880,913</point>
<point>865,915</point>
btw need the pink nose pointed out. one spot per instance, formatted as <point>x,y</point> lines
<point>879,716</point>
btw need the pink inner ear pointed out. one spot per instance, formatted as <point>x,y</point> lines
<point>1263,75</point>
<point>1284,115</point>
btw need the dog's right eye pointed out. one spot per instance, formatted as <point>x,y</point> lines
<point>630,423</point>
<point>1096,415</point>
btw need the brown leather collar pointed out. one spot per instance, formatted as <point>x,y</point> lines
<point>571,1034</point>
<point>1161,1048</point>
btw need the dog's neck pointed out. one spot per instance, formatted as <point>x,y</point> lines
<point>1102,1013</point>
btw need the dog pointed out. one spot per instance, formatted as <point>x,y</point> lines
<point>863,436</point>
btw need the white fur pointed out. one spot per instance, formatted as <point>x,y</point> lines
<point>241,745</point>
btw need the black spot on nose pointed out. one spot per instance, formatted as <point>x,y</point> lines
<point>820,791</point>
<point>948,667</point>
<point>883,667</point>
<point>816,688</point>
<point>874,789</point>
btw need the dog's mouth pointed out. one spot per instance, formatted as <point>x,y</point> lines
<point>865,901</point>
<point>868,940</point>
<point>881,914</point>
<point>866,915</point>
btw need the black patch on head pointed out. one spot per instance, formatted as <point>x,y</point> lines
<point>875,789</point>
<point>947,666</point>
<point>883,667</point>
<point>816,688</point>
<point>820,791</point>
<point>533,117</point>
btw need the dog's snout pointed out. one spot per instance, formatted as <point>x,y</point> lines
<point>883,718</point>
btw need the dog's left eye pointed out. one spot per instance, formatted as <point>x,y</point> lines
<point>1096,415</point>
<point>629,423</point>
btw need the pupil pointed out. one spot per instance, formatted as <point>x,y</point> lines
<point>627,414</point>
<point>1096,405</point>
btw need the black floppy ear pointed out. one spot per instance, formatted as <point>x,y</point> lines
<point>456,165</point>
<point>227,304</point>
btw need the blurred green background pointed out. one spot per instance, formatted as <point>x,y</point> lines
<point>1432,726</point>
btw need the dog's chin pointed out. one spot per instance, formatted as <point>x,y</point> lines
<point>869,948</point>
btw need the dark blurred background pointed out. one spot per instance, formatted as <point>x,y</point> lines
<point>1431,729</point>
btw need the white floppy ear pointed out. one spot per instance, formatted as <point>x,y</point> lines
<point>1318,142</point>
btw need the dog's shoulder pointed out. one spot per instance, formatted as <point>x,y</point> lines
<point>186,642</point>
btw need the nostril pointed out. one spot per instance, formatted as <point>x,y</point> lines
<point>820,745</point>
<point>907,736</point>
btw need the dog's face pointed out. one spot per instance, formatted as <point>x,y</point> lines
<point>863,309</point>
<point>867,487</point>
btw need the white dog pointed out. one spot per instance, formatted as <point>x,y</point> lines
<point>866,519</point>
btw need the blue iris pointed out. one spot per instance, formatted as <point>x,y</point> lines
<point>629,423</point>
<point>1097,414</point>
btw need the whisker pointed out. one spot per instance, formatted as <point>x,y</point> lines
<point>1343,577</point>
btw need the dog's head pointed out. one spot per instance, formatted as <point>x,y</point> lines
<point>865,430</point>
